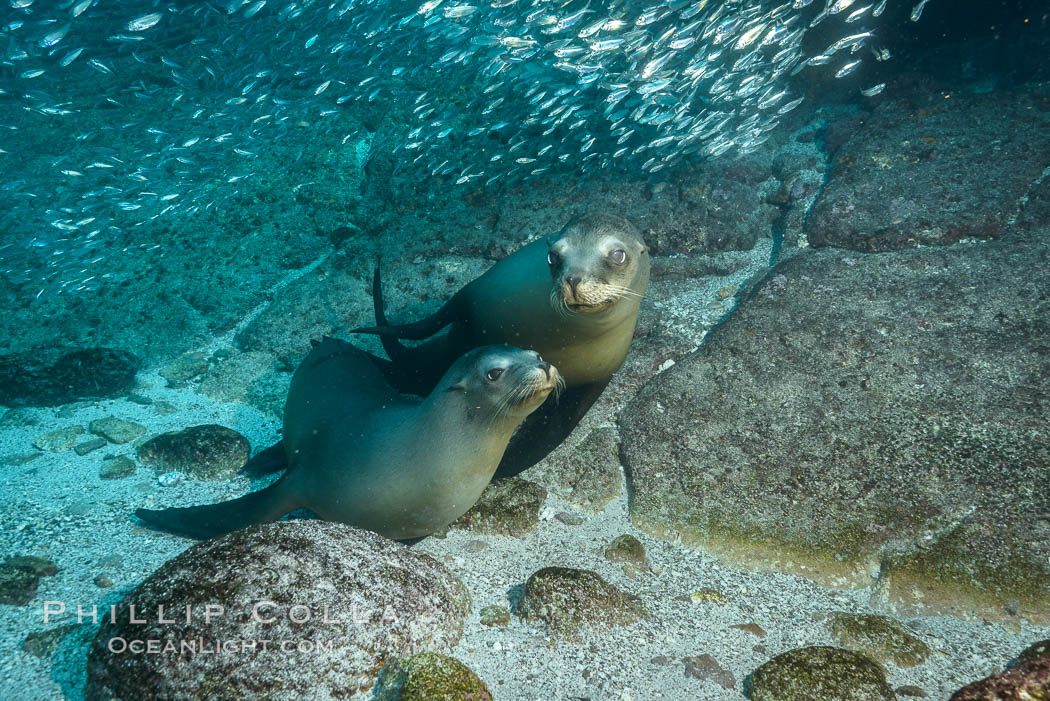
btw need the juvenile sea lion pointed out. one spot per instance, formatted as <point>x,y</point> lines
<point>362,454</point>
<point>573,297</point>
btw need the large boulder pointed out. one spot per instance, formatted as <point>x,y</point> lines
<point>933,172</point>
<point>300,609</point>
<point>880,420</point>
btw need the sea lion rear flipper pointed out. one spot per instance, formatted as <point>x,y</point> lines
<point>416,331</point>
<point>545,429</point>
<point>265,462</point>
<point>210,520</point>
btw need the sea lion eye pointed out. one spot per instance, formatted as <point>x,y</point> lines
<point>619,256</point>
<point>553,258</point>
<point>494,374</point>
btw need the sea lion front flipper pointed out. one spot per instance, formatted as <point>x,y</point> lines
<point>210,520</point>
<point>546,428</point>
<point>265,462</point>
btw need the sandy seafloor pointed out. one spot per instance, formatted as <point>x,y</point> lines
<point>60,509</point>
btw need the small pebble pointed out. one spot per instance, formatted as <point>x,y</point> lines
<point>752,628</point>
<point>911,690</point>
<point>709,596</point>
<point>495,616</point>
<point>569,519</point>
<point>140,399</point>
<point>169,479</point>
<point>103,582</point>
<point>475,546</point>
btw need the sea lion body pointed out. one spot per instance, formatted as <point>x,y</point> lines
<point>362,454</point>
<point>567,296</point>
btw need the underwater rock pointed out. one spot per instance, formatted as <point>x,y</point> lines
<point>495,616</point>
<point>825,673</point>
<point>704,667</point>
<point>184,368</point>
<point>116,468</point>
<point>350,601</point>
<point>1029,681</point>
<point>58,440</point>
<point>89,446</point>
<point>569,519</point>
<point>18,458</point>
<point>627,548</point>
<point>39,566</point>
<point>592,469</point>
<point>55,377</point>
<point>42,643</point>
<point>879,637</point>
<point>429,677</point>
<point>932,174</point>
<point>206,452</point>
<point>863,402</point>
<point>1034,652</point>
<point>506,507</point>
<point>566,601</point>
<point>17,584</point>
<point>116,430</point>
<point>19,418</point>
<point>708,596</point>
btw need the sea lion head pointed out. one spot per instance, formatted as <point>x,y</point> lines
<point>501,382</point>
<point>596,261</point>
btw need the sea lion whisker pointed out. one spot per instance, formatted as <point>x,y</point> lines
<point>560,305</point>
<point>622,291</point>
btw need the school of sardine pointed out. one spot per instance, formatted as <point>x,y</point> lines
<point>491,91</point>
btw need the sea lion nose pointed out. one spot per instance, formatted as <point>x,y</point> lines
<point>573,282</point>
<point>546,369</point>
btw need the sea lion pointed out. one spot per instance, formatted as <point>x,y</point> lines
<point>362,454</point>
<point>573,297</point>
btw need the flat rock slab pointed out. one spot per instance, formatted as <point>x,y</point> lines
<point>933,174</point>
<point>879,420</point>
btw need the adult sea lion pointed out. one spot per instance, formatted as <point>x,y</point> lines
<point>362,454</point>
<point>573,297</point>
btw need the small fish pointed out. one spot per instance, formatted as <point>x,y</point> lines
<point>144,22</point>
<point>54,36</point>
<point>874,90</point>
<point>79,8</point>
<point>456,11</point>
<point>847,69</point>
<point>916,12</point>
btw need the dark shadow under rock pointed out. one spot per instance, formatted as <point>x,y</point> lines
<point>883,419</point>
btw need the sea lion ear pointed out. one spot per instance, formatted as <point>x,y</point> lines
<point>458,387</point>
